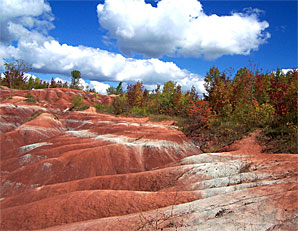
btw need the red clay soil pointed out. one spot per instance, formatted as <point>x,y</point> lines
<point>65,170</point>
<point>247,145</point>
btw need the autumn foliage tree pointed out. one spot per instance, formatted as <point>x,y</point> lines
<point>219,91</point>
<point>256,100</point>
<point>135,94</point>
<point>14,75</point>
<point>199,113</point>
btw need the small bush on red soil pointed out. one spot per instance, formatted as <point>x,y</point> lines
<point>78,104</point>
<point>30,98</point>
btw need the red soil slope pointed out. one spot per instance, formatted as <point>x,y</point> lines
<point>65,170</point>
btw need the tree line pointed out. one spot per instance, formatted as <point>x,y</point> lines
<point>250,97</point>
<point>231,106</point>
<point>14,78</point>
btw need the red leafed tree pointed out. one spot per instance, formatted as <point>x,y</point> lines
<point>135,94</point>
<point>199,112</point>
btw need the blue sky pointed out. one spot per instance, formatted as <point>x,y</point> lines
<point>114,40</point>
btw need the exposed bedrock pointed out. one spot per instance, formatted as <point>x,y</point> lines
<point>64,170</point>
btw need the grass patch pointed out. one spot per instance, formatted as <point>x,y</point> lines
<point>158,118</point>
<point>35,116</point>
<point>179,121</point>
<point>280,139</point>
<point>106,109</point>
<point>217,135</point>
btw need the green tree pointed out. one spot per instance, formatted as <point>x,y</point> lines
<point>115,91</point>
<point>119,89</point>
<point>37,83</point>
<point>30,83</point>
<point>75,79</point>
<point>167,98</point>
<point>121,105</point>
<point>111,90</point>
<point>243,87</point>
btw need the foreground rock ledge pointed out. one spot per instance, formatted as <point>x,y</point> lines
<point>65,170</point>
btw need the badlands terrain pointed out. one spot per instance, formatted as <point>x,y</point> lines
<point>68,170</point>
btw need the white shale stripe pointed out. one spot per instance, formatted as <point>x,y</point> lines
<point>30,147</point>
<point>124,140</point>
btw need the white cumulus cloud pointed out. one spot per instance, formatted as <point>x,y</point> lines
<point>180,28</point>
<point>98,65</point>
<point>99,86</point>
<point>59,79</point>
<point>18,17</point>
<point>27,76</point>
<point>285,71</point>
<point>27,23</point>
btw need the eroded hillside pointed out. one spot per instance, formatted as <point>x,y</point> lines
<point>67,170</point>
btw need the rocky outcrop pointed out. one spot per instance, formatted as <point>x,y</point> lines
<point>64,170</point>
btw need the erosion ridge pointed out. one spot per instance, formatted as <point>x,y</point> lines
<point>65,170</point>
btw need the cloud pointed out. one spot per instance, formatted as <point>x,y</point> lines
<point>59,79</point>
<point>285,71</point>
<point>47,55</point>
<point>95,64</point>
<point>180,28</point>
<point>99,87</point>
<point>27,76</point>
<point>18,17</point>
<point>187,83</point>
<point>83,84</point>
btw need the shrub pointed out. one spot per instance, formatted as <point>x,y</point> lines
<point>280,138</point>
<point>121,105</point>
<point>30,98</point>
<point>138,112</point>
<point>220,133</point>
<point>199,112</point>
<point>264,115</point>
<point>101,108</point>
<point>78,104</point>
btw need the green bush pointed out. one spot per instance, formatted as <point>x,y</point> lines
<point>30,98</point>
<point>138,112</point>
<point>78,104</point>
<point>121,105</point>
